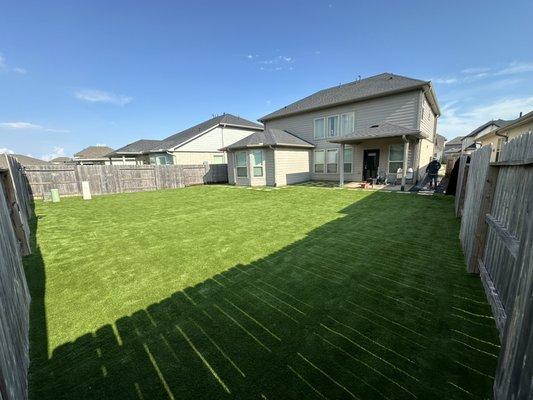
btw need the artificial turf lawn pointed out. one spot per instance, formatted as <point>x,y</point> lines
<point>214,292</point>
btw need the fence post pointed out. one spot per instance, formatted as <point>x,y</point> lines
<point>481,226</point>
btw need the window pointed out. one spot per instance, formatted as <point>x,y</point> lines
<point>319,161</point>
<point>499,146</point>
<point>320,128</point>
<point>348,160</point>
<point>395,157</point>
<point>161,160</point>
<point>333,125</point>
<point>218,159</point>
<point>257,162</point>
<point>332,157</point>
<point>347,123</point>
<point>240,162</point>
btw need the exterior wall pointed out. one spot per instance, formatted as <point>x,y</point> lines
<point>467,141</point>
<point>194,158</point>
<point>292,166</point>
<point>401,109</point>
<point>215,139</point>
<point>250,180</point>
<point>511,133</point>
<point>428,119</point>
<point>426,152</point>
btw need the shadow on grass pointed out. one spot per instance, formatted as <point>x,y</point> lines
<point>374,304</point>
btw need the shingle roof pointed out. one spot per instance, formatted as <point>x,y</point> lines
<point>454,142</point>
<point>27,160</point>
<point>187,134</point>
<point>377,131</point>
<point>139,147</point>
<point>93,152</point>
<point>500,123</point>
<point>60,159</point>
<point>374,86</point>
<point>270,137</point>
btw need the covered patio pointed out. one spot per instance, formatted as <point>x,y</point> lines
<point>399,158</point>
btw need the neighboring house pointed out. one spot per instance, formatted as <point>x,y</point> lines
<point>470,142</point>
<point>60,160</point>
<point>202,143</point>
<point>452,148</point>
<point>23,160</point>
<point>136,153</point>
<point>93,155</point>
<point>438,152</point>
<point>523,124</point>
<point>370,127</point>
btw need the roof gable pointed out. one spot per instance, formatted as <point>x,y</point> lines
<point>375,86</point>
<point>184,136</point>
<point>138,147</point>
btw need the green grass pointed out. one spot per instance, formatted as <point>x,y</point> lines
<point>220,292</point>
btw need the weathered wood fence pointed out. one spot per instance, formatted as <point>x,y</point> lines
<point>110,179</point>
<point>497,239</point>
<point>15,211</point>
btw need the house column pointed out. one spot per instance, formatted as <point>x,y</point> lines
<point>341,166</point>
<point>405,155</point>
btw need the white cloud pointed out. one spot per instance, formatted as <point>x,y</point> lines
<point>475,70</point>
<point>101,144</point>
<point>445,81</point>
<point>458,121</point>
<point>474,74</point>
<point>6,151</point>
<point>278,63</point>
<point>4,67</point>
<point>56,152</point>
<point>99,96</point>
<point>515,68</point>
<point>20,125</point>
<point>249,56</point>
<point>28,126</point>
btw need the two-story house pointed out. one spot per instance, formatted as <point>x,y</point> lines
<point>383,125</point>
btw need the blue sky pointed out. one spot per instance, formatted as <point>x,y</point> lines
<point>74,74</point>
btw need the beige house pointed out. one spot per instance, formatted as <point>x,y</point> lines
<point>93,155</point>
<point>381,126</point>
<point>472,141</point>
<point>202,143</point>
<point>512,129</point>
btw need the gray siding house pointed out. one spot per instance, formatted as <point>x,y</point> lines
<point>359,131</point>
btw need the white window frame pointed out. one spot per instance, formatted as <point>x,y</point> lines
<point>237,165</point>
<point>325,128</point>
<point>395,161</point>
<point>315,164</point>
<point>338,125</point>
<point>158,160</point>
<point>344,160</point>
<point>352,128</point>
<point>253,165</point>
<point>326,161</point>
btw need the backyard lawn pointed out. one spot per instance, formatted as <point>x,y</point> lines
<point>219,292</point>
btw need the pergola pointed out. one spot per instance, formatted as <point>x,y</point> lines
<point>377,131</point>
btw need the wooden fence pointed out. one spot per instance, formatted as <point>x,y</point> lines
<point>109,179</point>
<point>15,211</point>
<point>497,240</point>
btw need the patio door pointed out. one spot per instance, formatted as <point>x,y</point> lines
<point>370,164</point>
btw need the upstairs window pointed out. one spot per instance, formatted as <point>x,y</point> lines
<point>240,162</point>
<point>320,128</point>
<point>333,126</point>
<point>347,123</point>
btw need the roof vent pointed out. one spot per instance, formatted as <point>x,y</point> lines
<point>375,126</point>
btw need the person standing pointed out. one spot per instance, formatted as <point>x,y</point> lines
<point>433,172</point>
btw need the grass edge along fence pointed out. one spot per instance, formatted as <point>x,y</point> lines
<point>15,212</point>
<point>112,179</point>
<point>496,208</point>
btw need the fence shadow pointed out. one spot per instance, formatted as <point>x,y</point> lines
<point>374,304</point>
